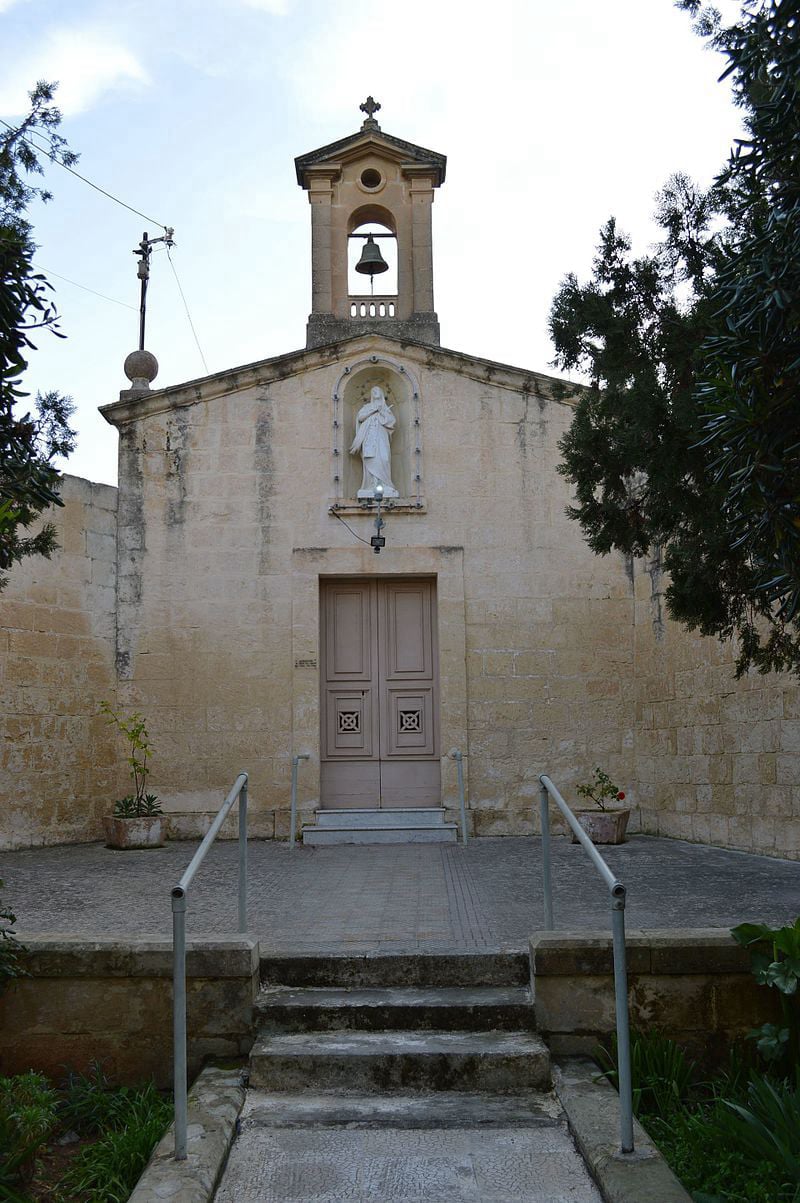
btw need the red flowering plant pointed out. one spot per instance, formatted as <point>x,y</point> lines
<point>601,789</point>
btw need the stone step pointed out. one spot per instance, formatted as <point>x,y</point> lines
<point>496,1062</point>
<point>404,969</point>
<point>327,1008</point>
<point>390,816</point>
<point>325,837</point>
<point>438,1109</point>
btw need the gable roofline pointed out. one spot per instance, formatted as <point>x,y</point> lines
<point>401,150</point>
<point>133,405</point>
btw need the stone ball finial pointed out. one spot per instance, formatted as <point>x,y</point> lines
<point>141,368</point>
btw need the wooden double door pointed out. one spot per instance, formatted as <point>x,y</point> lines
<point>379,693</point>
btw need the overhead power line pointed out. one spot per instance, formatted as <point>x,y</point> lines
<point>42,150</point>
<point>85,288</point>
<point>188,314</point>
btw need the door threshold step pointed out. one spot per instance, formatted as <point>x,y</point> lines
<point>436,1110</point>
<point>387,816</point>
<point>497,1062</point>
<point>329,1008</point>
<point>446,833</point>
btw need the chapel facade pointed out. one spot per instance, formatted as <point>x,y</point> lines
<point>358,553</point>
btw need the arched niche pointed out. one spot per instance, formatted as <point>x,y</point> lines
<point>352,391</point>
<point>357,393</point>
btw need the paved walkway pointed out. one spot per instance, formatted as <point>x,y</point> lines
<point>467,1165</point>
<point>406,897</point>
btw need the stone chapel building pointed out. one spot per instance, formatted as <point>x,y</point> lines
<point>229,588</point>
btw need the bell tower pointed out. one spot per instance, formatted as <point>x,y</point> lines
<point>371,195</point>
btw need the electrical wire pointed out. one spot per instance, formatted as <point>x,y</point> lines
<point>85,288</point>
<point>42,150</point>
<point>349,527</point>
<point>188,314</point>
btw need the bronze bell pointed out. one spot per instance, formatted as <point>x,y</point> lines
<point>372,262</point>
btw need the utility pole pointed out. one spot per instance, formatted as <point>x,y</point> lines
<point>144,250</point>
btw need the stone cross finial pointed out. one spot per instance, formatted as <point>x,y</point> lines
<point>370,107</point>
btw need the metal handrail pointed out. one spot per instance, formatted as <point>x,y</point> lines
<point>459,759</point>
<point>180,1085</point>
<point>293,810</point>
<point>618,894</point>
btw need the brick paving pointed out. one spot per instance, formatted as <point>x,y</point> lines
<point>395,898</point>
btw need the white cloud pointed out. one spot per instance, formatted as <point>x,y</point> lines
<point>85,62</point>
<point>6,4</point>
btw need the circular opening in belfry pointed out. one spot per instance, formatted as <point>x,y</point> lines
<point>371,178</point>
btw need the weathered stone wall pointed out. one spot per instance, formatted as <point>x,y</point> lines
<point>717,760</point>
<point>224,531</point>
<point>58,763</point>
<point>694,986</point>
<point>110,1000</point>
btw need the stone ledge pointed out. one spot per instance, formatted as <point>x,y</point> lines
<point>214,1104</point>
<point>147,956</point>
<point>666,951</point>
<point>694,986</point>
<point>592,1110</point>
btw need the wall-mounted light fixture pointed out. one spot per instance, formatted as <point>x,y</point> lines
<point>378,540</point>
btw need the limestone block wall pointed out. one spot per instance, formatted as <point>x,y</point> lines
<point>717,760</point>
<point>224,530</point>
<point>58,764</point>
<point>110,1000</point>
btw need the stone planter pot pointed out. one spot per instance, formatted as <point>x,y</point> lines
<point>603,826</point>
<point>147,831</point>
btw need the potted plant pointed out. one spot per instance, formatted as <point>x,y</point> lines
<point>607,824</point>
<point>137,819</point>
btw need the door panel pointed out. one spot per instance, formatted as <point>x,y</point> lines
<point>350,630</point>
<point>379,696</point>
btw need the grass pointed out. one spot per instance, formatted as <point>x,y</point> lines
<point>113,1132</point>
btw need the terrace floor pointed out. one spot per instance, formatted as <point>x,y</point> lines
<point>393,898</point>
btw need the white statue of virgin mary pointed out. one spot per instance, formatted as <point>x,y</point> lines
<point>375,423</point>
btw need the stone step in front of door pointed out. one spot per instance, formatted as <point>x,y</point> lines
<point>390,816</point>
<point>379,971</point>
<point>326,1008</point>
<point>328,836</point>
<point>495,1062</point>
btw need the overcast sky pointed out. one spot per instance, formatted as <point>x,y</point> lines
<point>553,116</point>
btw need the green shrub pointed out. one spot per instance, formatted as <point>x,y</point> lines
<point>10,947</point>
<point>661,1075</point>
<point>135,1119</point>
<point>27,1118</point>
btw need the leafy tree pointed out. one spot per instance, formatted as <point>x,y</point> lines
<point>29,442</point>
<point>748,374</point>
<point>652,452</point>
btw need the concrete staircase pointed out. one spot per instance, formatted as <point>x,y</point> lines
<point>404,1079</point>
<point>392,825</point>
<point>452,1025</point>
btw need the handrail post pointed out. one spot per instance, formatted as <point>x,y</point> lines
<point>243,857</point>
<point>618,894</point>
<point>459,759</point>
<point>623,1025</point>
<point>547,882</point>
<point>179,1042</point>
<point>293,809</point>
<point>179,1019</point>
